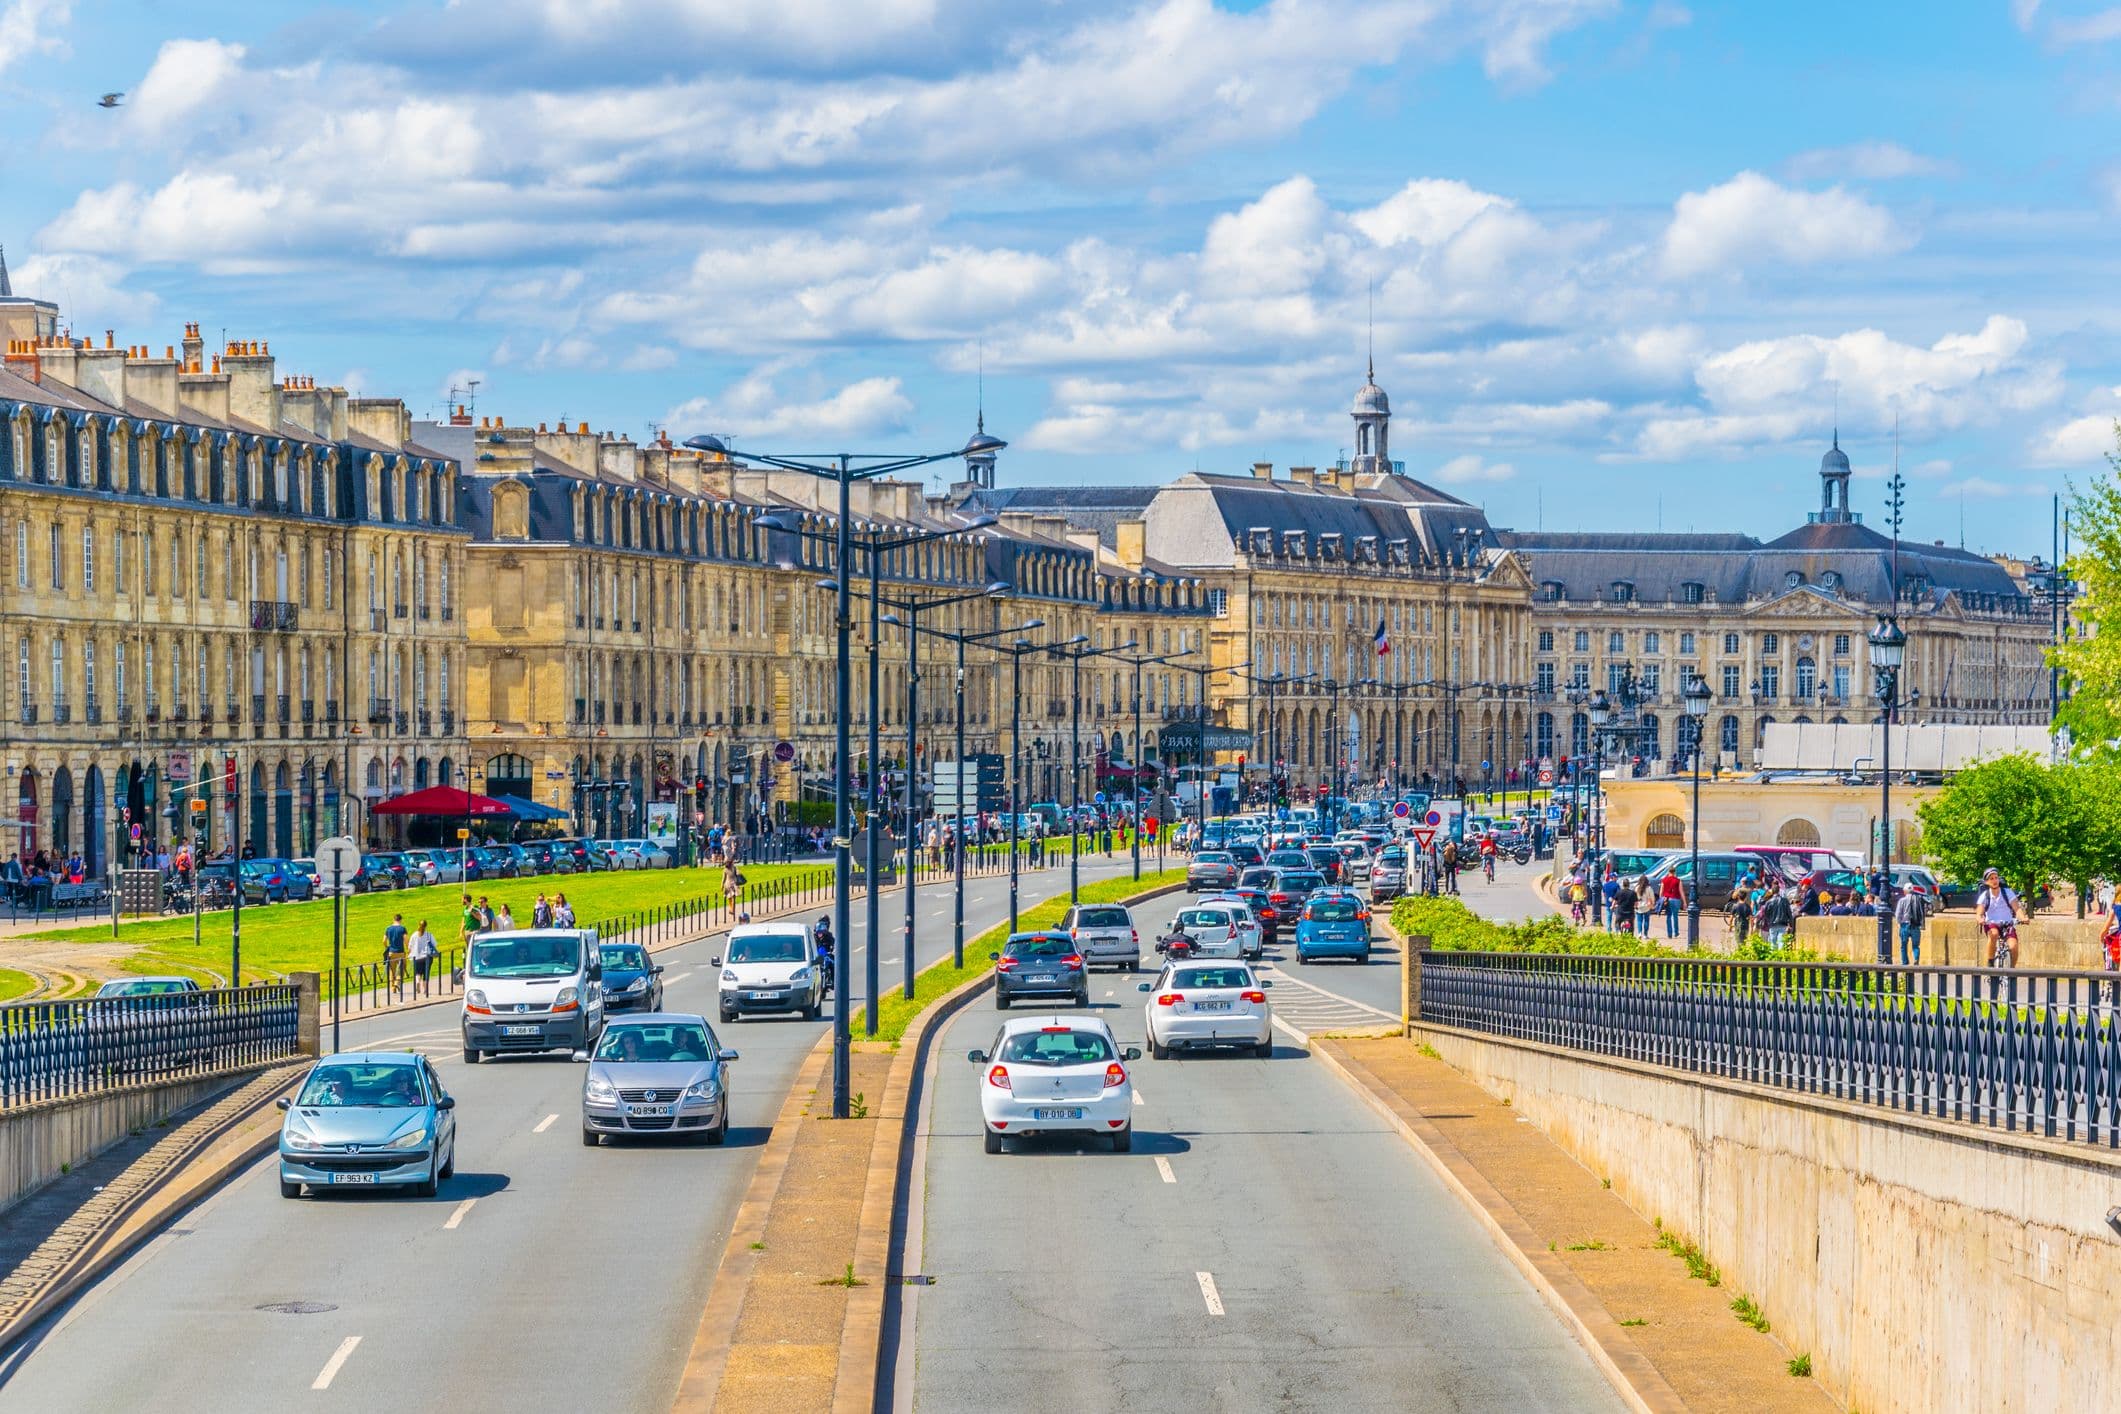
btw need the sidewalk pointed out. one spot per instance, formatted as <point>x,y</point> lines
<point>1670,1337</point>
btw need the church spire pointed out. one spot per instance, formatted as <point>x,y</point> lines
<point>7,291</point>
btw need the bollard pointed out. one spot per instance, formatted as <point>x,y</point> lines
<point>308,1020</point>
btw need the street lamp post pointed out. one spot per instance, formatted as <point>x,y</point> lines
<point>1697,697</point>
<point>1888,651</point>
<point>1270,681</point>
<point>1017,756</point>
<point>843,470</point>
<point>1135,785</point>
<point>1204,672</point>
<point>1338,739</point>
<point>1601,714</point>
<point>1075,650</point>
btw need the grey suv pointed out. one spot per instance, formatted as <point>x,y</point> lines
<point>1039,965</point>
<point>1105,935</point>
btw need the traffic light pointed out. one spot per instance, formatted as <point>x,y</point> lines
<point>1240,763</point>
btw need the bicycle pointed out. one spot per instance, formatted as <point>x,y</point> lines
<point>1487,866</point>
<point>2003,940</point>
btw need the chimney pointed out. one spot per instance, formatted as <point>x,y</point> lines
<point>252,394</point>
<point>460,418</point>
<point>1303,475</point>
<point>1263,470</point>
<point>1132,540</point>
<point>152,382</point>
<point>380,419</point>
<point>194,349</point>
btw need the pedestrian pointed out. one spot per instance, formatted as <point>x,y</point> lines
<point>394,954</point>
<point>423,959</point>
<point>1669,896</point>
<point>1622,919</point>
<point>1450,866</point>
<point>470,924</point>
<point>562,912</point>
<point>541,913</point>
<point>1645,905</point>
<point>504,921</point>
<point>1579,898</point>
<point>1740,908</point>
<point>1911,913</point>
<point>486,919</point>
<point>1609,889</point>
<point>1997,908</point>
<point>733,884</point>
<point>1776,918</point>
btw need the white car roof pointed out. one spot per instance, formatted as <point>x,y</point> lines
<point>786,929</point>
<point>1073,1020</point>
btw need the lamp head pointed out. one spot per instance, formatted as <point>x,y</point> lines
<point>983,444</point>
<point>977,523</point>
<point>708,442</point>
<point>1697,696</point>
<point>1601,708</point>
<point>1888,644</point>
<point>893,619</point>
<point>830,586</point>
<point>775,520</point>
<point>998,588</point>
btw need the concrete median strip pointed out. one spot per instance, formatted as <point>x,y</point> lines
<point>190,1162</point>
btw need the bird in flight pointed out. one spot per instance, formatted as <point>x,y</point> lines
<point>109,100</point>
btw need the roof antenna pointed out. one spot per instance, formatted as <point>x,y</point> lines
<point>1372,374</point>
<point>1895,502</point>
<point>982,386</point>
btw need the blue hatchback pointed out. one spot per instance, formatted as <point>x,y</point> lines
<point>1334,923</point>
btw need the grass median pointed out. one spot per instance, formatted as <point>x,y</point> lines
<point>14,984</point>
<point>296,937</point>
<point>940,979</point>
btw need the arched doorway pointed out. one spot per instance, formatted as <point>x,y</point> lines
<point>1666,831</point>
<point>307,805</point>
<point>509,774</point>
<point>1799,832</point>
<point>94,815</point>
<point>258,838</point>
<point>62,834</point>
<point>283,812</point>
<point>419,773</point>
<point>334,820</point>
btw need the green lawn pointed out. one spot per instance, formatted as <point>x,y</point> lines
<point>897,1012</point>
<point>14,984</point>
<point>296,937</point>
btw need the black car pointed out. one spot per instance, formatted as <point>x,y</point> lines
<point>631,981</point>
<point>379,872</point>
<point>1039,965</point>
<point>1326,860</point>
<point>1245,853</point>
<point>494,862</point>
<point>1290,890</point>
<point>551,856</point>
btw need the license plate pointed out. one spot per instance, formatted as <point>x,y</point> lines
<point>1056,1114</point>
<point>647,1110</point>
<point>519,1031</point>
<point>353,1178</point>
<point>1211,1006</point>
<point>760,996</point>
<point>1041,977</point>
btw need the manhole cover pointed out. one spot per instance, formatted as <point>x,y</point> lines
<point>298,1308</point>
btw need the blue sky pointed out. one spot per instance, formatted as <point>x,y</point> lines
<point>1625,256</point>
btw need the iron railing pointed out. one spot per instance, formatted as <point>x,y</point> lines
<point>56,1050</point>
<point>2033,1052</point>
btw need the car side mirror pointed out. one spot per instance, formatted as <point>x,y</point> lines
<point>1144,986</point>
<point>725,1055</point>
<point>447,1102</point>
<point>994,957</point>
<point>657,969</point>
<point>1131,1053</point>
<point>284,1103</point>
<point>976,1057</point>
<point>715,961</point>
<point>1266,984</point>
<point>596,971</point>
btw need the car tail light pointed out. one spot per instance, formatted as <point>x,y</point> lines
<point>998,1076</point>
<point>1053,1030</point>
<point>1134,934</point>
<point>1256,998</point>
<point>1115,1074</point>
<point>1007,964</point>
<point>1170,998</point>
<point>1074,960</point>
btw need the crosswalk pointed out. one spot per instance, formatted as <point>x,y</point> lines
<point>1310,1010</point>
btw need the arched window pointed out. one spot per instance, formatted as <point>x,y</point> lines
<point>1800,832</point>
<point>1666,831</point>
<point>1727,736</point>
<point>1807,677</point>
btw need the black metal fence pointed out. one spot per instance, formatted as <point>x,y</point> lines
<point>2032,1052</point>
<point>55,1050</point>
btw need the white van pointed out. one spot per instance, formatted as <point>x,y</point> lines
<point>771,967</point>
<point>533,989</point>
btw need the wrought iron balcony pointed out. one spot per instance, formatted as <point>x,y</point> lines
<point>309,710</point>
<point>282,709</point>
<point>28,716</point>
<point>424,722</point>
<point>449,721</point>
<point>379,711</point>
<point>275,616</point>
<point>62,712</point>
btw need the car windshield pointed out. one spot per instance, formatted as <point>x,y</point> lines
<point>1204,918</point>
<point>384,1085</point>
<point>1333,910</point>
<point>1294,880</point>
<point>660,1043</point>
<point>768,947</point>
<point>1058,1046</point>
<point>1103,918</point>
<point>1233,977</point>
<point>625,957</point>
<point>530,955</point>
<point>1037,947</point>
<point>143,988</point>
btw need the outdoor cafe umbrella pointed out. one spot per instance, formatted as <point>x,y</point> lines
<point>440,800</point>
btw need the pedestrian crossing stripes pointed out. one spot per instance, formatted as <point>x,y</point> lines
<point>1312,1010</point>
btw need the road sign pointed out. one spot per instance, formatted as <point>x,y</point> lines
<point>462,833</point>
<point>338,854</point>
<point>1434,817</point>
<point>1546,778</point>
<point>784,751</point>
<point>198,806</point>
<point>1424,838</point>
<point>1401,810</point>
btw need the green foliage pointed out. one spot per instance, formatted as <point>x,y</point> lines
<point>2032,821</point>
<point>1748,1311</point>
<point>2092,660</point>
<point>1698,1266</point>
<point>1452,927</point>
<point>1801,1366</point>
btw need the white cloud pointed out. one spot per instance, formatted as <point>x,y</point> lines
<point>2080,442</point>
<point>1459,471</point>
<point>188,75</point>
<point>754,406</point>
<point>1865,161</point>
<point>91,291</point>
<point>458,384</point>
<point>2101,27</point>
<point>1975,486</point>
<point>2023,12</point>
<point>1753,219</point>
<point>29,27</point>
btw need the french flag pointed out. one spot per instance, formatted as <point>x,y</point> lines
<point>1383,640</point>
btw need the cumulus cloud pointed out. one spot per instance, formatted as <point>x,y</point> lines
<point>188,75</point>
<point>755,406</point>
<point>31,27</point>
<point>91,290</point>
<point>1873,161</point>
<point>2100,27</point>
<point>1752,219</point>
<point>1979,487</point>
<point>2079,442</point>
<point>1459,471</point>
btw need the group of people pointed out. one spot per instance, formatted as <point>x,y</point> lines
<point>417,946</point>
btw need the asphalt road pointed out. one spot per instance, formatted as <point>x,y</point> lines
<point>1267,1245</point>
<point>545,1276</point>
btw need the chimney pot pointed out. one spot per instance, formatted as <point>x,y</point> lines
<point>110,339</point>
<point>583,429</point>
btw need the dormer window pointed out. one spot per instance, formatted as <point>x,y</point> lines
<point>1830,582</point>
<point>1623,591</point>
<point>1693,592</point>
<point>1793,580</point>
<point>1550,591</point>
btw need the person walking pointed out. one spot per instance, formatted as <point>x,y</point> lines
<point>486,918</point>
<point>1910,914</point>
<point>1670,894</point>
<point>1740,908</point>
<point>423,959</point>
<point>1997,908</point>
<point>1623,914</point>
<point>1450,866</point>
<point>504,921</point>
<point>733,884</point>
<point>1776,918</point>
<point>470,924</point>
<point>562,912</point>
<point>541,912</point>
<point>394,955</point>
<point>1645,905</point>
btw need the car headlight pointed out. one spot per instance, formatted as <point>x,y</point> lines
<point>568,997</point>
<point>599,1089</point>
<point>475,998</point>
<point>729,975</point>
<point>708,1089</point>
<point>801,974</point>
<point>297,1136</point>
<point>638,984</point>
<point>412,1138</point>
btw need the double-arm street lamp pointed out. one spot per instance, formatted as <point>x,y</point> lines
<point>1697,697</point>
<point>1336,740</point>
<point>1888,651</point>
<point>1270,681</point>
<point>1135,784</point>
<point>1075,650</point>
<point>1203,672</point>
<point>844,469</point>
<point>1016,652</point>
<point>913,628</point>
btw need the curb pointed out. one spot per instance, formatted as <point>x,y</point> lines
<point>208,1164</point>
<point>1633,1377</point>
<point>716,1332</point>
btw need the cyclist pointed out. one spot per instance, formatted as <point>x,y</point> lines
<point>1487,857</point>
<point>1997,907</point>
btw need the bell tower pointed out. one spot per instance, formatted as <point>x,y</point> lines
<point>1373,428</point>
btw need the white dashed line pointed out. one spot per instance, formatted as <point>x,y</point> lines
<point>545,1124</point>
<point>1137,1097</point>
<point>1209,1294</point>
<point>457,1216</point>
<point>1163,1166</point>
<point>331,1366</point>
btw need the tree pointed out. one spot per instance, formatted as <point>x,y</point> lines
<point>2014,814</point>
<point>2091,662</point>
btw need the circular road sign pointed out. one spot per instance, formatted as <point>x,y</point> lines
<point>1546,778</point>
<point>339,855</point>
<point>784,751</point>
<point>1401,810</point>
<point>1434,817</point>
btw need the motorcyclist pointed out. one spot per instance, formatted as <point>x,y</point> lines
<point>822,935</point>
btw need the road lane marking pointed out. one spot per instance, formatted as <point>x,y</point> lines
<point>545,1124</point>
<point>331,1366</point>
<point>1137,1097</point>
<point>1209,1294</point>
<point>1163,1166</point>
<point>458,1215</point>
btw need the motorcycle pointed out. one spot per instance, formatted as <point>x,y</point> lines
<point>1177,947</point>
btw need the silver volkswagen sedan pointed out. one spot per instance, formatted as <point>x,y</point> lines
<point>369,1119</point>
<point>656,1073</point>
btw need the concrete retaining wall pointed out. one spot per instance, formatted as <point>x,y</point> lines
<point>1956,940</point>
<point>37,1139</point>
<point>1924,1266</point>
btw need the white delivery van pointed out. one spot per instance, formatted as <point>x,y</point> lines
<point>771,967</point>
<point>533,989</point>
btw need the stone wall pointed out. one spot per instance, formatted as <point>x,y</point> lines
<point>1956,940</point>
<point>1924,1266</point>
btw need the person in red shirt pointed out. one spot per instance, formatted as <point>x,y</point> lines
<point>1670,894</point>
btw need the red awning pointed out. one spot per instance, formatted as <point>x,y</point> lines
<point>439,800</point>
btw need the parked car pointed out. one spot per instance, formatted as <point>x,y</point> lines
<point>493,862</point>
<point>421,868</point>
<point>1039,965</point>
<point>576,851</point>
<point>370,1119</point>
<point>621,857</point>
<point>267,881</point>
<point>392,863</point>
<point>373,877</point>
<point>550,856</point>
<point>1056,1073</point>
<point>1104,933</point>
<point>657,1074</point>
<point>307,868</point>
<point>519,859</point>
<point>1720,870</point>
<point>1198,1005</point>
<point>1334,923</point>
